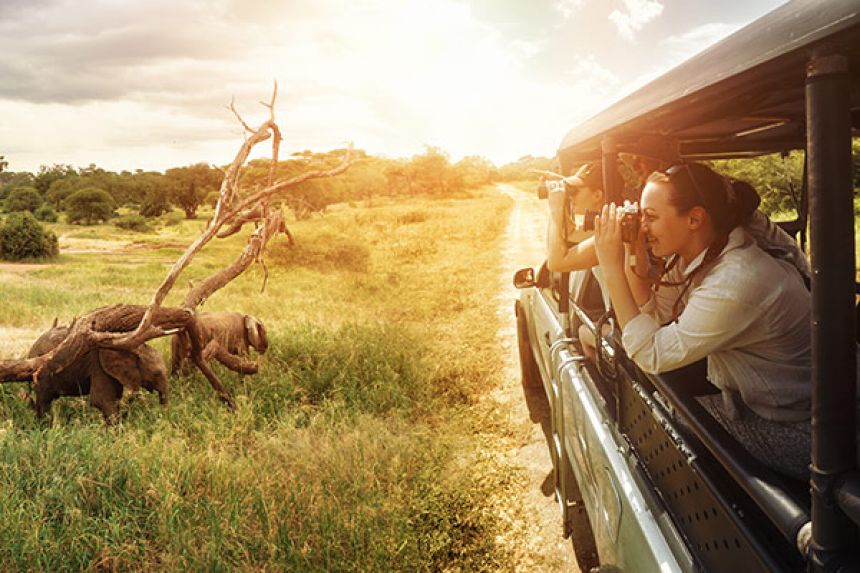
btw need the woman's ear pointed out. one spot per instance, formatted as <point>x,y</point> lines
<point>696,217</point>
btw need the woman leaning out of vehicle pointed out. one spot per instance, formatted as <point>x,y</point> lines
<point>721,297</point>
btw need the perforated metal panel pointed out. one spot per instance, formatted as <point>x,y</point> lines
<point>712,535</point>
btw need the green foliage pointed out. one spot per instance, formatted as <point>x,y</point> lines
<point>60,189</point>
<point>46,213</point>
<point>171,218</point>
<point>132,222</point>
<point>154,205</point>
<point>46,176</point>
<point>855,160</point>
<point>22,237</point>
<point>324,251</point>
<point>211,198</point>
<point>23,199</point>
<point>89,206</point>
<point>354,449</point>
<point>778,180</point>
<point>188,186</point>
<point>519,169</point>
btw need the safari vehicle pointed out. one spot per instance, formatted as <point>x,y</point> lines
<point>664,486</point>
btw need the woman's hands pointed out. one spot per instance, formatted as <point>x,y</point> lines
<point>610,255</point>
<point>607,240</point>
<point>557,197</point>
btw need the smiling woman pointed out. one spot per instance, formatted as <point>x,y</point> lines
<point>723,298</point>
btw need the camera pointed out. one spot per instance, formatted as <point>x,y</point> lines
<point>630,223</point>
<point>550,186</point>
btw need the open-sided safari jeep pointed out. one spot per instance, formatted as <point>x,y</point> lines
<point>664,486</point>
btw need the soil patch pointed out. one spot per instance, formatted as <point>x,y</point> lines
<point>524,246</point>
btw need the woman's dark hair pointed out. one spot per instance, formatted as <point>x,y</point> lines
<point>729,203</point>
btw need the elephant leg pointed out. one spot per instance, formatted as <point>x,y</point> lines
<point>179,350</point>
<point>193,332</point>
<point>105,394</point>
<point>161,386</point>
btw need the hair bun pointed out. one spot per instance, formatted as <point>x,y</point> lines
<point>746,200</point>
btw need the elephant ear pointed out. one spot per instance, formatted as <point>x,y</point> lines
<point>123,366</point>
<point>256,334</point>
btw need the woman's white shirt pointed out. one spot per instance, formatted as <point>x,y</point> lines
<point>749,314</point>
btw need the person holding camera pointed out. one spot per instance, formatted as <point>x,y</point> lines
<point>720,297</point>
<point>578,196</point>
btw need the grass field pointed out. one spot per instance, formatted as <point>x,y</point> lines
<point>358,446</point>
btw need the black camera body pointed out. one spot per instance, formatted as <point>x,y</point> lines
<point>631,219</point>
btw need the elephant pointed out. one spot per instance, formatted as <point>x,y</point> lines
<point>101,373</point>
<point>235,332</point>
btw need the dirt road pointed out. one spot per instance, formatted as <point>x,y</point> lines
<point>525,246</point>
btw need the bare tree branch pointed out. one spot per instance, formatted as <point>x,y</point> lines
<point>124,326</point>
<point>232,107</point>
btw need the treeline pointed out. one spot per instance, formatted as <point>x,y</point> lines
<point>92,194</point>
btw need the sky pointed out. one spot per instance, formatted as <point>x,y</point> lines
<point>146,85</point>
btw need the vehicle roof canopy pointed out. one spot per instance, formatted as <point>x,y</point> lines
<point>743,96</point>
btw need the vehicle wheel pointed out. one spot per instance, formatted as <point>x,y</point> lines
<point>530,373</point>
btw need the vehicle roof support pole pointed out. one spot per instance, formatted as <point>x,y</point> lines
<point>834,359</point>
<point>612,188</point>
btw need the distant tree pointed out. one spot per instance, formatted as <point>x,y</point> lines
<point>3,163</point>
<point>89,206</point>
<point>399,177</point>
<point>188,186</point>
<point>47,175</point>
<point>777,179</point>
<point>430,171</point>
<point>149,191</point>
<point>520,169</point>
<point>23,199</point>
<point>60,189</point>
<point>46,213</point>
<point>365,179</point>
<point>22,237</point>
<point>474,171</point>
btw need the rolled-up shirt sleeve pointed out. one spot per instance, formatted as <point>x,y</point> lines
<point>708,323</point>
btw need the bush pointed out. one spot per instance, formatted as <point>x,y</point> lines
<point>172,218</point>
<point>46,213</point>
<point>22,237</point>
<point>211,198</point>
<point>89,206</point>
<point>132,223</point>
<point>154,207</point>
<point>23,199</point>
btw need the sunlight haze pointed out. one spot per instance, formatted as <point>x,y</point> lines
<point>144,85</point>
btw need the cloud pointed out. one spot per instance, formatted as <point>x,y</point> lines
<point>687,44</point>
<point>637,13</point>
<point>591,75</point>
<point>567,8</point>
<point>130,85</point>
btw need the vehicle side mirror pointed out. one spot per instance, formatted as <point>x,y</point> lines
<point>524,278</point>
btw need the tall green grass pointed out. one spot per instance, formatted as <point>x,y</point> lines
<point>356,447</point>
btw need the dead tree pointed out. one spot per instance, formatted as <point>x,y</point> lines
<point>126,326</point>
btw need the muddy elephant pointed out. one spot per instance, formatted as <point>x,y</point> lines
<point>234,331</point>
<point>101,373</point>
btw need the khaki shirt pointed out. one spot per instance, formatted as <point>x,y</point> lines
<point>749,314</point>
